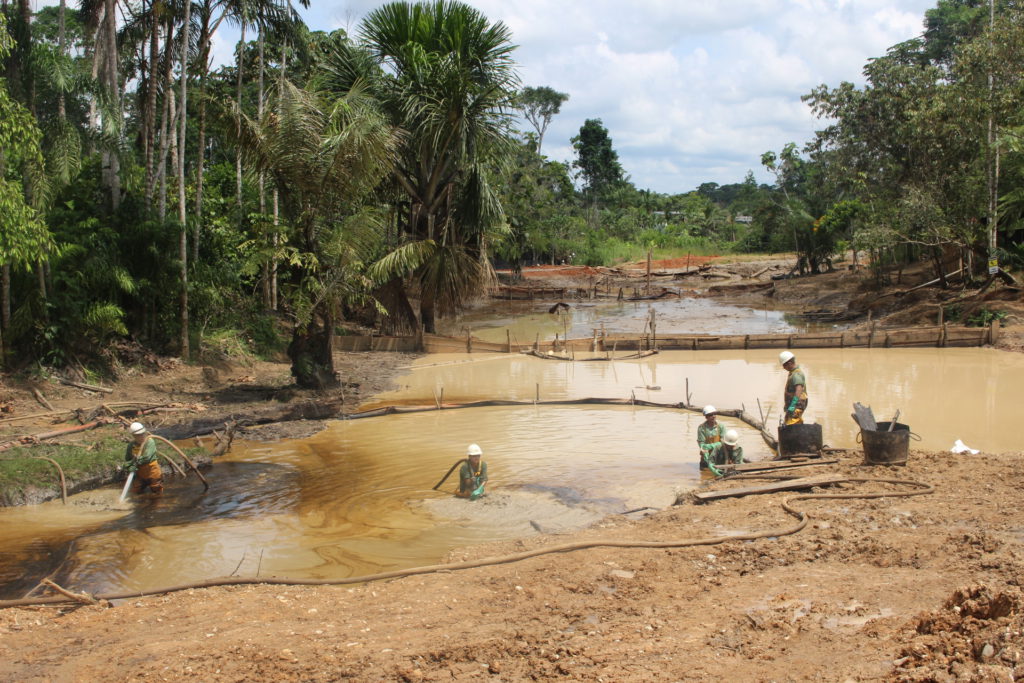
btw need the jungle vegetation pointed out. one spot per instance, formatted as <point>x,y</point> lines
<point>148,199</point>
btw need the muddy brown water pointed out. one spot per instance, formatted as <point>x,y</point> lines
<point>527,321</point>
<point>357,498</point>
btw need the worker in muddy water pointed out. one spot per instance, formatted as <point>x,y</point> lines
<point>794,399</point>
<point>472,474</point>
<point>709,434</point>
<point>726,452</point>
<point>140,458</point>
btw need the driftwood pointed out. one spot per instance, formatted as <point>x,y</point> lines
<point>87,387</point>
<point>42,399</point>
<point>25,440</point>
<point>33,415</point>
<point>83,598</point>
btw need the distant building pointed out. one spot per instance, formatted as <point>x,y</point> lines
<point>747,220</point>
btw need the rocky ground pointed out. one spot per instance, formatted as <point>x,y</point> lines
<point>924,588</point>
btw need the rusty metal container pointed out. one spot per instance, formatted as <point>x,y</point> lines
<point>882,447</point>
<point>799,439</point>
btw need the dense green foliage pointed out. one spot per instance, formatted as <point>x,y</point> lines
<point>379,177</point>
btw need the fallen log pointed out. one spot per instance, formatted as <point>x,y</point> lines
<point>32,438</point>
<point>87,387</point>
<point>788,485</point>
<point>41,399</point>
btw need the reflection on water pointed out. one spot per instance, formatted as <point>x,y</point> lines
<point>527,321</point>
<point>357,498</point>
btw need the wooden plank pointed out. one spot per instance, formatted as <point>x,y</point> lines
<point>864,417</point>
<point>789,485</point>
<point>775,465</point>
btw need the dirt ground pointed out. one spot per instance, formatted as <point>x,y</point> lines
<point>923,588</point>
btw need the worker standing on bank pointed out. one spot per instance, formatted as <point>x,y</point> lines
<point>472,474</point>
<point>794,399</point>
<point>727,451</point>
<point>140,458</point>
<point>709,435</point>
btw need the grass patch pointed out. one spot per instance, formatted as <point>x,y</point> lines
<point>21,470</point>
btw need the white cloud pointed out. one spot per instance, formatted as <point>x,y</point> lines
<point>690,91</point>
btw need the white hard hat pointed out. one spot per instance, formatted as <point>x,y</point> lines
<point>474,450</point>
<point>710,409</point>
<point>785,357</point>
<point>136,428</point>
<point>731,437</point>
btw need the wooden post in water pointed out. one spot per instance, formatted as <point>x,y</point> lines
<point>993,332</point>
<point>648,271</point>
<point>508,341</point>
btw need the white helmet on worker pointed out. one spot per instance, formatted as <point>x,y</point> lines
<point>785,357</point>
<point>731,437</point>
<point>136,428</point>
<point>710,410</point>
<point>474,450</point>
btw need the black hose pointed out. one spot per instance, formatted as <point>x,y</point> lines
<point>449,473</point>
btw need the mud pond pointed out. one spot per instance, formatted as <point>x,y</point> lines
<point>357,497</point>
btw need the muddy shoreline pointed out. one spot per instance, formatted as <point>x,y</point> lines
<point>911,589</point>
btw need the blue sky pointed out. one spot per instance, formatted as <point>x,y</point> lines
<point>691,91</point>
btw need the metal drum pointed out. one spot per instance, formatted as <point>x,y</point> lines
<point>799,439</point>
<point>882,447</point>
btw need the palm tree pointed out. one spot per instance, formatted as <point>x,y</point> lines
<point>445,78</point>
<point>325,159</point>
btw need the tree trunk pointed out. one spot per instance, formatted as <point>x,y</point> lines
<point>61,111</point>
<point>238,152</point>
<point>204,59</point>
<point>182,210</point>
<point>311,352</point>
<point>112,160</point>
<point>149,119</point>
<point>5,306</point>
<point>265,280</point>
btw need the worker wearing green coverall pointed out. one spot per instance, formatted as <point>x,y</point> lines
<point>727,451</point>
<point>794,399</point>
<point>472,474</point>
<point>709,434</point>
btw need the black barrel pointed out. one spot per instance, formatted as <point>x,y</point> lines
<point>799,439</point>
<point>882,447</point>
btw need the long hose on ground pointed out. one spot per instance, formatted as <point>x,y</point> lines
<point>505,559</point>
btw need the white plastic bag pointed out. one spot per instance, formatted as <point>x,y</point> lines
<point>961,447</point>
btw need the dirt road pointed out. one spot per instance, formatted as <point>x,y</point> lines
<point>921,588</point>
